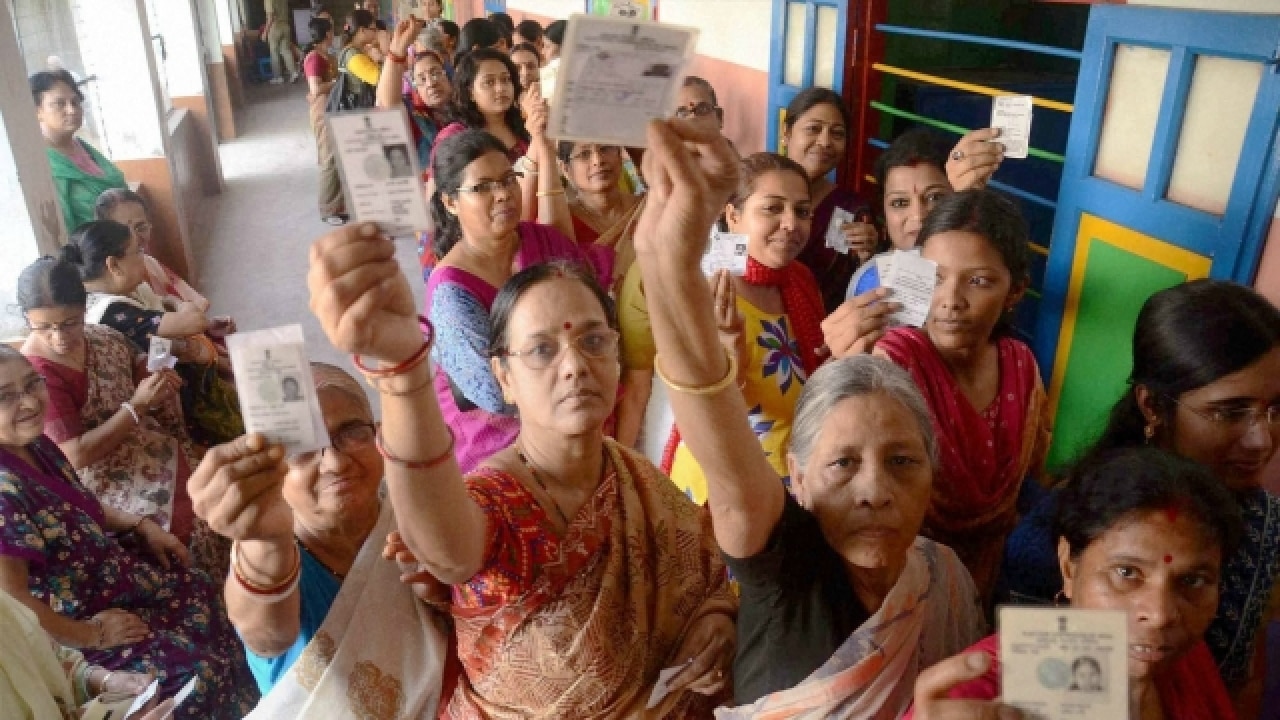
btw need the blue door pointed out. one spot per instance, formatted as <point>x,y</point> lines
<point>1172,170</point>
<point>807,50</point>
<point>493,6</point>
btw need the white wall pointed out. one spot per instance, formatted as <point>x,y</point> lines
<point>736,31</point>
<point>554,9</point>
<point>184,62</point>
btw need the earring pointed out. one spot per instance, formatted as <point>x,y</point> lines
<point>1148,433</point>
<point>1061,599</point>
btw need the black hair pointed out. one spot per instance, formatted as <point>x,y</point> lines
<point>757,164</point>
<point>360,18</point>
<point>1086,660</point>
<point>520,283</point>
<point>319,28</point>
<point>1112,487</point>
<point>450,28</point>
<point>810,98</point>
<point>92,244</point>
<point>695,81</point>
<point>112,198</point>
<point>452,156</point>
<point>504,22</point>
<point>530,30</point>
<point>477,34</point>
<point>526,47</point>
<point>45,80</point>
<point>917,146</point>
<point>464,76</point>
<point>989,214</point>
<point>1186,337</point>
<point>50,282</point>
<point>555,31</point>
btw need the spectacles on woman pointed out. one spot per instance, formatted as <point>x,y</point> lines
<point>702,109</point>
<point>593,345</point>
<point>605,152</point>
<point>431,76</point>
<point>490,187</point>
<point>1235,419</point>
<point>56,327</point>
<point>9,399</point>
<point>350,438</point>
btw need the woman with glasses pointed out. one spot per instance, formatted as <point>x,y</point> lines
<point>427,95</point>
<point>122,429</point>
<point>481,243</point>
<point>578,571</point>
<point>318,609</point>
<point>113,584</point>
<point>1205,385</point>
<point>697,98</point>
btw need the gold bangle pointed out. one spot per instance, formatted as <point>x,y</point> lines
<point>548,193</point>
<point>718,386</point>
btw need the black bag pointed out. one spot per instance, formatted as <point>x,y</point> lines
<point>349,92</point>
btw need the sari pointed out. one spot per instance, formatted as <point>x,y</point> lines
<point>39,679</point>
<point>168,285</point>
<point>832,269</point>
<point>872,675</point>
<point>320,65</point>
<point>458,302</point>
<point>1190,690</point>
<point>379,653</point>
<point>620,237</point>
<point>581,625</point>
<point>77,189</point>
<point>984,454</point>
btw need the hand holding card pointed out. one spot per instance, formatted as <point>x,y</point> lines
<point>378,161</point>
<point>912,279</point>
<point>276,391</point>
<point>1065,663</point>
<point>1012,114</point>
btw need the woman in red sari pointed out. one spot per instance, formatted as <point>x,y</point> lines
<point>983,387</point>
<point>1139,530</point>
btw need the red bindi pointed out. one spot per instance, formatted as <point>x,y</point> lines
<point>1168,559</point>
<point>568,326</point>
<point>1171,512</point>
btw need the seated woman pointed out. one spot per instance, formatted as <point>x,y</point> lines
<point>821,570</point>
<point>42,680</point>
<point>127,440</point>
<point>481,243</point>
<point>80,173</point>
<point>308,534</point>
<point>60,557</point>
<point>109,260</point>
<point>579,572</point>
<point>1205,385</point>
<point>429,95</point>
<point>770,318</point>
<point>983,387</point>
<point>1120,547</point>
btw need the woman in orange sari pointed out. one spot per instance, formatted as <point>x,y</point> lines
<point>578,571</point>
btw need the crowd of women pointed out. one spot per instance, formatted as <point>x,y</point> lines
<point>840,506</point>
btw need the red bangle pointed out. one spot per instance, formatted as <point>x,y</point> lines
<point>402,59</point>
<point>412,362</point>
<point>413,465</point>
<point>252,589</point>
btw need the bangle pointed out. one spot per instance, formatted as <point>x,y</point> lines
<point>134,527</point>
<point>729,377</point>
<point>271,595</point>
<point>549,193</point>
<point>102,686</point>
<point>406,392</point>
<point>414,465</point>
<point>133,412</point>
<point>412,362</point>
<point>401,59</point>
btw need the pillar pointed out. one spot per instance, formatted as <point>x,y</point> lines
<point>229,24</point>
<point>189,91</point>
<point>115,45</point>
<point>28,201</point>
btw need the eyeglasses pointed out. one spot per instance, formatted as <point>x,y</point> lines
<point>1237,419</point>
<point>605,152</point>
<point>141,228</point>
<point>350,438</point>
<point>432,76</point>
<point>702,109</point>
<point>9,399</point>
<point>594,345</point>
<point>490,187</point>
<point>58,327</point>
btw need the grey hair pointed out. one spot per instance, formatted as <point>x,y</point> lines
<point>856,376</point>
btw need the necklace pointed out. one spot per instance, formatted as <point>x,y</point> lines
<point>598,221</point>
<point>336,575</point>
<point>537,477</point>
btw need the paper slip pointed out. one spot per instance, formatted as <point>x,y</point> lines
<point>276,391</point>
<point>143,699</point>
<point>378,162</point>
<point>725,251</point>
<point>1065,664</point>
<point>912,279</point>
<point>663,687</point>
<point>835,233</point>
<point>1012,114</point>
<point>547,79</point>
<point>884,264</point>
<point>184,693</point>
<point>615,76</point>
<point>160,355</point>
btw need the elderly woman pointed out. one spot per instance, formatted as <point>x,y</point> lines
<point>63,556</point>
<point>429,93</point>
<point>1137,530</point>
<point>316,606</point>
<point>126,437</point>
<point>80,173</point>
<point>821,569</point>
<point>579,572</point>
<point>1205,385</point>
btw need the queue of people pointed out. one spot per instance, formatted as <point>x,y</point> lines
<point>841,505</point>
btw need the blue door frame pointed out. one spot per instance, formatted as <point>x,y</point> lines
<point>780,94</point>
<point>492,6</point>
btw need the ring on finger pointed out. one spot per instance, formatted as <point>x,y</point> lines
<point>957,155</point>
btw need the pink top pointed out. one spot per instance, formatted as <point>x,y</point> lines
<point>82,160</point>
<point>316,65</point>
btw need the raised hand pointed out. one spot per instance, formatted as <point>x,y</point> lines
<point>237,490</point>
<point>154,390</point>
<point>858,324</point>
<point>974,159</point>
<point>934,684</point>
<point>361,297</point>
<point>862,238</point>
<point>729,320</point>
<point>405,33</point>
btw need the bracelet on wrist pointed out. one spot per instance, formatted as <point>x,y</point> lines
<point>408,364</point>
<point>549,193</point>
<point>431,464</point>
<point>398,59</point>
<point>275,593</point>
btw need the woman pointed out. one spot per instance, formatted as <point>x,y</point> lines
<point>428,100</point>
<point>480,34</point>
<point>815,133</point>
<point>487,86</point>
<point>530,32</point>
<point>308,532</point>
<point>80,173</point>
<point>108,259</point>
<point>1205,385</point>
<point>573,561</point>
<point>481,243</point>
<point>769,318</point>
<point>822,568</point>
<point>603,213</point>
<point>552,39</point>
<point>321,74</point>
<point>1121,547</point>
<point>361,69</point>
<point>527,60</point>
<point>128,442</point>
<point>983,387</point>
<point>87,589</point>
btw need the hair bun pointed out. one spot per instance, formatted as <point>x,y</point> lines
<point>71,253</point>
